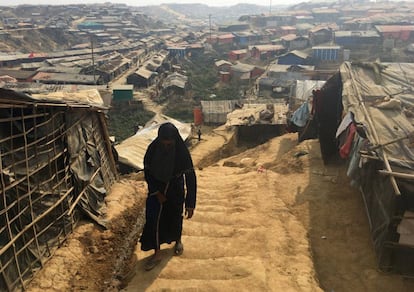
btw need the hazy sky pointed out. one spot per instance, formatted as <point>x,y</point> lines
<point>149,2</point>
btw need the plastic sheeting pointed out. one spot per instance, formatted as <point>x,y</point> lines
<point>53,158</point>
<point>132,150</point>
<point>304,88</point>
<point>382,93</point>
<point>256,114</point>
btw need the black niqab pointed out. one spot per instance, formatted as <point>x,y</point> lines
<point>164,163</point>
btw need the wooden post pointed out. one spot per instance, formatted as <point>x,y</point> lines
<point>397,174</point>
<point>108,144</point>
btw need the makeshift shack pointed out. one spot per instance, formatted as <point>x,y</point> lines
<point>175,84</point>
<point>215,111</point>
<point>258,122</point>
<point>365,116</point>
<point>56,163</point>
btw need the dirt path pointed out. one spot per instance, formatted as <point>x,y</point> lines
<point>240,240</point>
<point>143,95</point>
<point>272,218</point>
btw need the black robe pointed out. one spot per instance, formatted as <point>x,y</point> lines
<point>164,222</point>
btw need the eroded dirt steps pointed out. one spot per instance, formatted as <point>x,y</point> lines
<point>241,238</point>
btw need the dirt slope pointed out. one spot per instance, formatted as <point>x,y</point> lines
<point>272,218</point>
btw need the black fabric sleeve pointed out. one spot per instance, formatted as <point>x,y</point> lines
<point>154,185</point>
<point>191,186</point>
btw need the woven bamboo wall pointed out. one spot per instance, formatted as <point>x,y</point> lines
<point>38,189</point>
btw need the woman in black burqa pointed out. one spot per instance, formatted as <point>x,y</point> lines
<point>167,167</point>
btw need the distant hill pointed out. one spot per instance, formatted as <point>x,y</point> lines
<point>168,12</point>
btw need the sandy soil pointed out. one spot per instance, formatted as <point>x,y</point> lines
<point>271,218</point>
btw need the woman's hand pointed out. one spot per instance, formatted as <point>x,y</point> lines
<point>161,197</point>
<point>189,213</point>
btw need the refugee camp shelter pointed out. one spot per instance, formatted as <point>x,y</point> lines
<point>293,58</point>
<point>326,53</point>
<point>215,112</point>
<point>258,122</point>
<point>56,163</point>
<point>365,116</point>
<point>142,78</point>
<point>123,92</point>
<point>175,83</point>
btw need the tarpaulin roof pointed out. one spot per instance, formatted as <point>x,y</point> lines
<point>87,97</point>
<point>304,88</point>
<point>132,150</point>
<point>381,97</point>
<point>258,114</point>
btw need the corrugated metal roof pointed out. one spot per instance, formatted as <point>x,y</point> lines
<point>131,151</point>
<point>252,114</point>
<point>124,87</point>
<point>217,106</point>
<point>289,37</point>
<point>18,74</point>
<point>394,28</point>
<point>362,34</point>
<point>325,10</point>
<point>285,68</point>
<point>59,69</point>
<point>222,62</point>
<point>65,78</point>
<point>175,79</point>
<point>243,68</point>
<point>239,52</point>
<point>267,48</point>
<point>226,36</point>
<point>287,27</point>
<point>326,47</point>
<point>327,26</point>
<point>143,72</point>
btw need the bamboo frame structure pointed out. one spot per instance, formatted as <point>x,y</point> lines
<point>374,133</point>
<point>38,189</point>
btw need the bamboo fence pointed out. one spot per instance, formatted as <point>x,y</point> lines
<point>38,189</point>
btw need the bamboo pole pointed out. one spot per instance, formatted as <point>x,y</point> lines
<point>375,134</point>
<point>9,231</point>
<point>82,192</point>
<point>108,144</point>
<point>397,174</point>
<point>20,118</point>
<point>28,226</point>
<point>370,156</point>
<point>392,141</point>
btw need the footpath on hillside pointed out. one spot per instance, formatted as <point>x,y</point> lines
<point>269,218</point>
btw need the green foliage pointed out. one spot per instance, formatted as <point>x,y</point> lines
<point>124,117</point>
<point>201,74</point>
<point>204,79</point>
<point>230,91</point>
<point>181,110</point>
